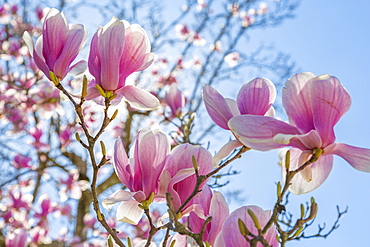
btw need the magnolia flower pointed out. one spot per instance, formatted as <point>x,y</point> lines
<point>255,97</point>
<point>117,50</point>
<point>178,177</point>
<point>147,156</point>
<point>214,205</point>
<point>58,46</point>
<point>175,100</point>
<point>314,104</point>
<point>230,234</point>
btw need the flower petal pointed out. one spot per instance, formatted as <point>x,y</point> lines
<point>358,158</point>
<point>256,96</point>
<point>297,103</point>
<point>139,98</point>
<point>258,132</point>
<point>320,171</point>
<point>129,212</point>
<point>118,196</point>
<point>225,151</point>
<point>330,101</point>
<point>217,107</point>
<point>121,165</point>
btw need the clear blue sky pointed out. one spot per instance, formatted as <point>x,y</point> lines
<point>326,37</point>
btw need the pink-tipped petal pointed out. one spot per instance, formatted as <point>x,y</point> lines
<point>330,101</point>
<point>358,158</point>
<point>256,97</point>
<point>258,132</point>
<point>219,210</point>
<point>297,102</point>
<point>217,107</point>
<point>320,170</point>
<point>129,212</point>
<point>139,98</point>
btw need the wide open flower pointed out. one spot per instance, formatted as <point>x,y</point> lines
<point>314,105</point>
<point>140,173</point>
<point>58,45</point>
<point>230,234</point>
<point>117,50</point>
<point>255,97</point>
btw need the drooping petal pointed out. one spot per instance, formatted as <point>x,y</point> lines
<point>139,98</point>
<point>297,102</point>
<point>358,158</point>
<point>78,68</point>
<point>129,212</point>
<point>320,170</point>
<point>117,196</point>
<point>330,101</point>
<point>256,96</point>
<point>111,43</point>
<point>217,107</point>
<point>258,132</point>
<point>308,141</point>
<point>225,151</point>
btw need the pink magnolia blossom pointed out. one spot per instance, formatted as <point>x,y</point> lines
<point>254,98</point>
<point>214,205</point>
<point>314,104</point>
<point>117,50</point>
<point>232,59</point>
<point>147,156</point>
<point>175,100</point>
<point>178,177</point>
<point>58,45</point>
<point>21,161</point>
<point>230,234</point>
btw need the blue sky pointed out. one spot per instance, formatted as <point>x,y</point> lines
<point>326,37</point>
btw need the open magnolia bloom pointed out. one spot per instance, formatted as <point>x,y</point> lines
<point>147,156</point>
<point>58,46</point>
<point>255,97</point>
<point>314,104</point>
<point>117,50</point>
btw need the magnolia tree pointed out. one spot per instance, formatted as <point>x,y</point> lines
<point>113,150</point>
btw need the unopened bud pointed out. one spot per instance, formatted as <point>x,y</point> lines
<point>173,243</point>
<point>77,137</point>
<point>302,211</point>
<point>84,87</point>
<point>299,231</point>
<point>129,244</point>
<point>103,150</point>
<point>194,160</point>
<point>255,219</point>
<point>278,189</point>
<point>101,91</point>
<point>114,114</point>
<point>313,210</point>
<point>287,160</point>
<point>243,228</point>
<point>113,97</point>
<point>110,241</point>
